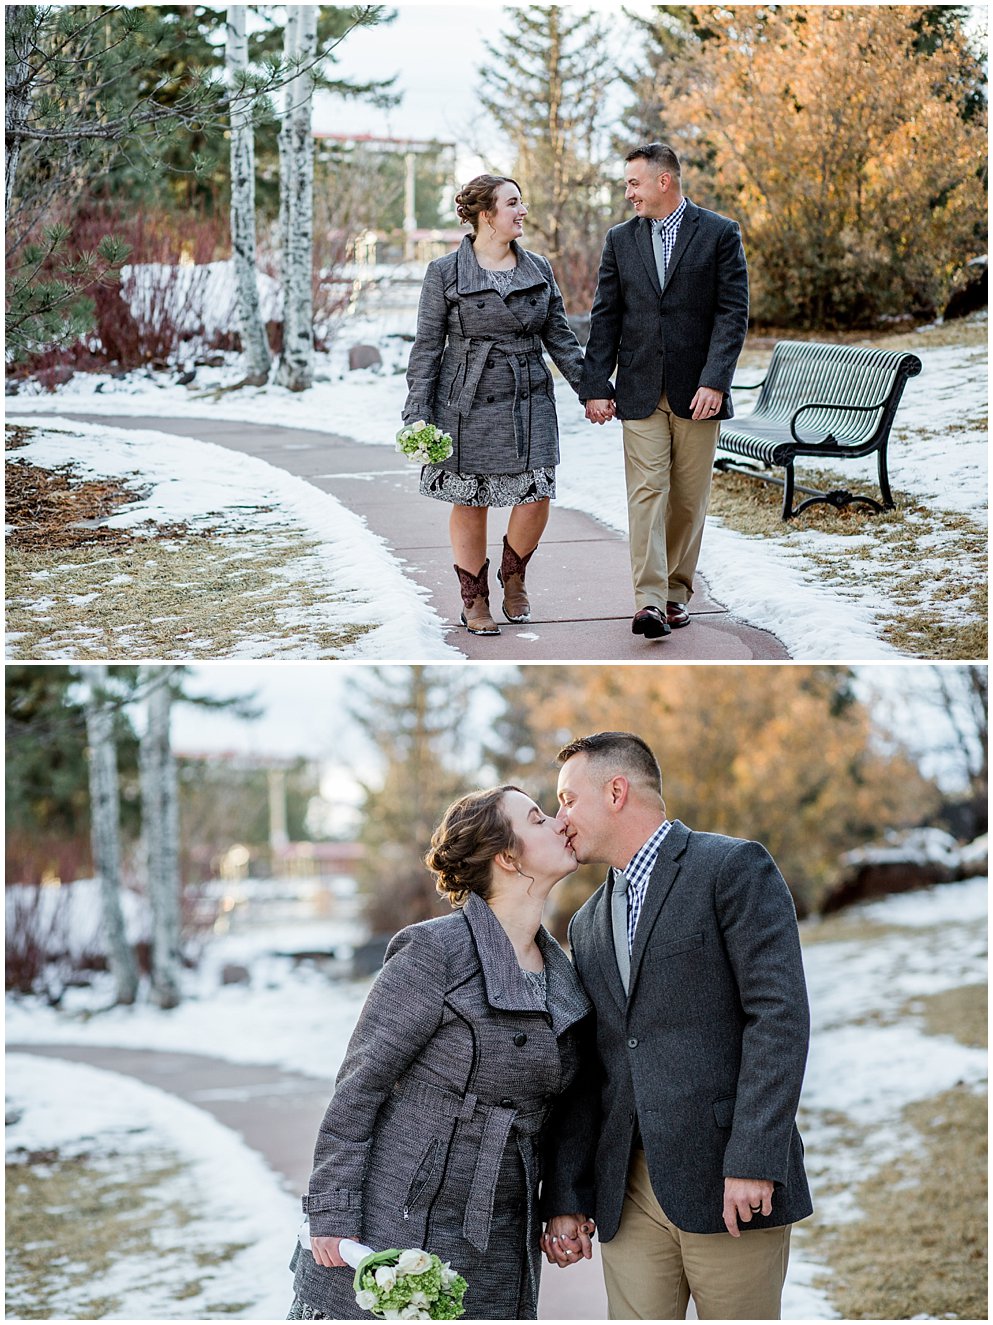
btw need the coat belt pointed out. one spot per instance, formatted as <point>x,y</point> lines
<point>474,354</point>
<point>498,1121</point>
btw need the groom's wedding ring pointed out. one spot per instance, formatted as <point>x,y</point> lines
<point>755,1209</point>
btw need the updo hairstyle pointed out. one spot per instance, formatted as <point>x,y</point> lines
<point>474,830</point>
<point>478,196</point>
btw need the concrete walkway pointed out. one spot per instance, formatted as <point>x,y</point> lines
<point>277,1114</point>
<point>579,583</point>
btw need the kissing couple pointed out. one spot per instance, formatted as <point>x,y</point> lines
<point>670,314</point>
<point>498,1100</point>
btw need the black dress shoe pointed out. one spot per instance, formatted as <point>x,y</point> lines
<point>651,623</point>
<point>677,615</point>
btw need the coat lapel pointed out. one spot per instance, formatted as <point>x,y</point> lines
<point>667,866</point>
<point>687,233</point>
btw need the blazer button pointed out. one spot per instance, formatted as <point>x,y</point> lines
<point>506,1104</point>
<point>520,1039</point>
<point>633,1042</point>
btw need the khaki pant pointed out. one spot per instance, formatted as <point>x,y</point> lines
<point>668,464</point>
<point>651,1267</point>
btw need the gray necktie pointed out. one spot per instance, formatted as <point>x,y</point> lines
<point>619,924</point>
<point>659,248</point>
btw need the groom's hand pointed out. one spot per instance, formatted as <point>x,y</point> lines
<point>567,1239</point>
<point>743,1198</point>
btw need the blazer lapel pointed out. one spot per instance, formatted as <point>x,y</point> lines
<point>646,247</point>
<point>687,233</point>
<point>667,866</point>
<point>603,946</point>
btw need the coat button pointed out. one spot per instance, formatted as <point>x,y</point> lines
<point>524,395</point>
<point>633,1042</point>
<point>490,400</point>
<point>520,1039</point>
<point>490,363</point>
<point>506,1104</point>
<point>534,303</point>
<point>481,304</point>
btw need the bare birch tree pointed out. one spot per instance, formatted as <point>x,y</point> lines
<point>160,830</point>
<point>296,201</point>
<point>105,829</point>
<point>254,342</point>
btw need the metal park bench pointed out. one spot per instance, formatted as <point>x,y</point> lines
<point>824,401</point>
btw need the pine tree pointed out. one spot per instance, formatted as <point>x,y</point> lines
<point>546,85</point>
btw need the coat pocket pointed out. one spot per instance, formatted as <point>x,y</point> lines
<point>688,943</point>
<point>422,1176</point>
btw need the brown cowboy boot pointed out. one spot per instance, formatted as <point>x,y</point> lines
<point>476,599</point>
<point>511,575</point>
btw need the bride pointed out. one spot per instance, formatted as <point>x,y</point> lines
<point>467,1039</point>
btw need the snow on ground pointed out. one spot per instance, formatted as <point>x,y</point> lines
<point>208,485</point>
<point>228,1191</point>
<point>869,1053</point>
<point>938,453</point>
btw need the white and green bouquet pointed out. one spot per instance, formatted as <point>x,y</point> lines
<point>423,443</point>
<point>404,1285</point>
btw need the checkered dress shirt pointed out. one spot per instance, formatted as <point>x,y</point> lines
<point>638,872</point>
<point>664,234</point>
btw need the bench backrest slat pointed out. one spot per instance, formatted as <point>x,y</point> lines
<point>802,372</point>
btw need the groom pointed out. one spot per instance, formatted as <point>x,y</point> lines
<point>670,313</point>
<point>684,1143</point>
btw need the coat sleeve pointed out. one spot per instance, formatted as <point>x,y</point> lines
<point>401,1014</point>
<point>573,1129</point>
<point>758,925</point>
<point>731,316</point>
<point>558,336</point>
<point>605,329</point>
<point>424,363</point>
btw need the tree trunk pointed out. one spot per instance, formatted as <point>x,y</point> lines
<point>254,343</point>
<point>160,827</point>
<point>105,831</point>
<point>19,26</point>
<point>296,189</point>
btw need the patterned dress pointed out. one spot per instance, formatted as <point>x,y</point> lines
<point>489,489</point>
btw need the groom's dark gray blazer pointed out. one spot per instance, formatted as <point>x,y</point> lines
<point>704,1056</point>
<point>673,339</point>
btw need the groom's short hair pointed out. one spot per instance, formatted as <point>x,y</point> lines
<point>660,154</point>
<point>617,752</point>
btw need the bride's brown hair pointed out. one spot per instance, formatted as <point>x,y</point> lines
<point>474,830</point>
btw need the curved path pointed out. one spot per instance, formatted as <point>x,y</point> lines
<point>580,586</point>
<point>277,1113</point>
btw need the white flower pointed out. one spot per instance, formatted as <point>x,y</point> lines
<point>413,1261</point>
<point>386,1277</point>
<point>366,1299</point>
<point>391,1313</point>
<point>448,1275</point>
<point>418,425</point>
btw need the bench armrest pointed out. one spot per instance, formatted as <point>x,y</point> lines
<point>740,386</point>
<point>824,404</point>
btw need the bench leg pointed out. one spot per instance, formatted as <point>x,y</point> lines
<point>788,511</point>
<point>884,478</point>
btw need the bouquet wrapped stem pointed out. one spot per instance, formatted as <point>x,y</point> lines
<point>403,1285</point>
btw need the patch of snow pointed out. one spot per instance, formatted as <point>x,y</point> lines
<point>229,1193</point>
<point>922,846</point>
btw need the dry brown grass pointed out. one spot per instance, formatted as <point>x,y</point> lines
<point>920,1248</point>
<point>71,1221</point>
<point>82,589</point>
<point>962,1013</point>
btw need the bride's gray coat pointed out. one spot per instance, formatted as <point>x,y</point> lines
<point>476,368</point>
<point>433,1137</point>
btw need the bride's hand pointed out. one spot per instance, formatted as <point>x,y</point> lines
<point>325,1251</point>
<point>566,1239</point>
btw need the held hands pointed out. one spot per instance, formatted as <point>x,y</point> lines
<point>325,1251</point>
<point>600,411</point>
<point>566,1239</point>
<point>743,1198</point>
